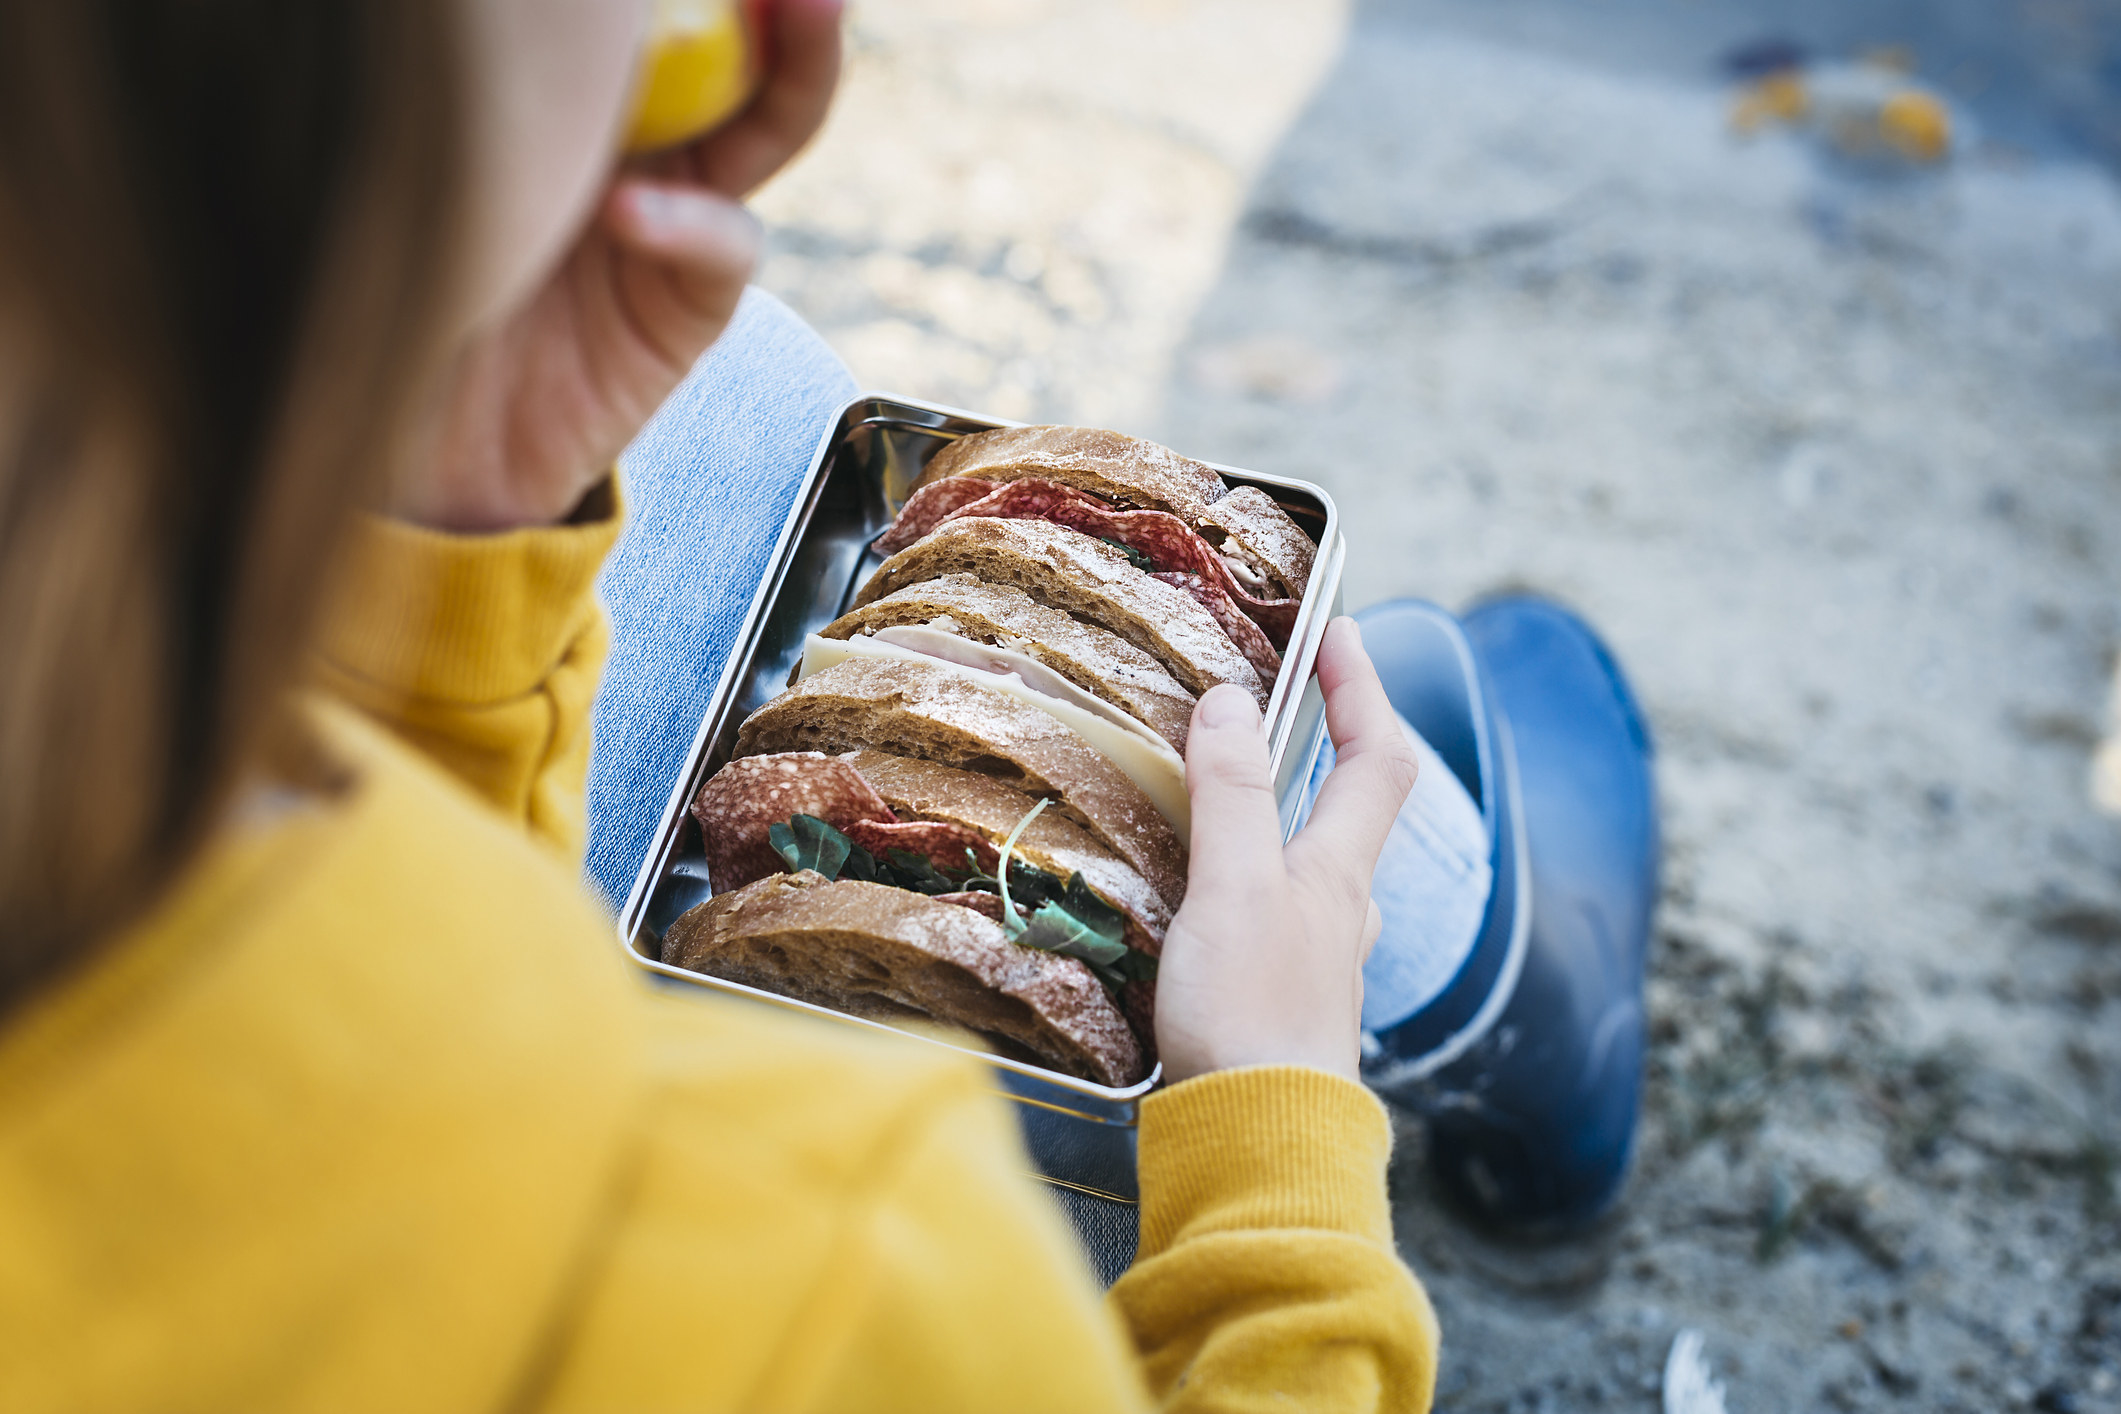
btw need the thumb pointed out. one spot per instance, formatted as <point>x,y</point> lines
<point>1236,828</point>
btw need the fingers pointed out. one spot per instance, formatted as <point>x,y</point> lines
<point>699,251</point>
<point>1358,713</point>
<point>1236,845</point>
<point>684,226</point>
<point>679,210</point>
<point>1373,771</point>
<point>801,47</point>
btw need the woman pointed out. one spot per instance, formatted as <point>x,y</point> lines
<point>319,1084</point>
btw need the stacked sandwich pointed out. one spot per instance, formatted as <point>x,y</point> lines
<point>971,806</point>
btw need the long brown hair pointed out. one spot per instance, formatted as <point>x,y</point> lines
<point>227,230</point>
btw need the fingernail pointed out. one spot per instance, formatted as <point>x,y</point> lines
<point>1225,705</point>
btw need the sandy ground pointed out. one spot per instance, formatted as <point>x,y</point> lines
<point>1834,460</point>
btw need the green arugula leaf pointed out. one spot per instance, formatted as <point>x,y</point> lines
<point>1102,916</point>
<point>917,873</point>
<point>1136,966</point>
<point>1079,924</point>
<point>1111,976</point>
<point>806,842</point>
<point>1134,557</point>
<point>976,879</point>
<point>861,864</point>
<point>1032,886</point>
<point>1054,929</point>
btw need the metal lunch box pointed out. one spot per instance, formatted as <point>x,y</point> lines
<point>1080,1134</point>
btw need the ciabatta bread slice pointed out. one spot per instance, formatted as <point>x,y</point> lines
<point>1260,541</point>
<point>1128,471</point>
<point>870,950</point>
<point>927,790</point>
<point>914,708</point>
<point>1124,470</point>
<point>1094,659</point>
<point>1087,578</point>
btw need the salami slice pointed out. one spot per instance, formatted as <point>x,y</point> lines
<point>1168,543</point>
<point>925,509</point>
<point>748,797</point>
<point>1250,641</point>
<point>942,845</point>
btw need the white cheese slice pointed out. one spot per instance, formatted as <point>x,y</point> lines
<point>1149,763</point>
<point>937,641</point>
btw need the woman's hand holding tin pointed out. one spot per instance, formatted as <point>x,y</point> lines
<point>546,396</point>
<point>1263,964</point>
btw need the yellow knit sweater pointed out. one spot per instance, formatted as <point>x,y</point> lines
<point>370,1116</point>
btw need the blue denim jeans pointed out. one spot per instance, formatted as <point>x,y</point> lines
<point>709,484</point>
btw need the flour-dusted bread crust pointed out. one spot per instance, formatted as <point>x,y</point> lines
<point>1087,578</point>
<point>872,950</point>
<point>912,708</point>
<point>1125,470</point>
<point>927,790</point>
<point>1129,471</point>
<point>1094,659</point>
<point>1256,524</point>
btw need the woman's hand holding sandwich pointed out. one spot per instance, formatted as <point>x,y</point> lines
<point>576,345</point>
<point>1263,964</point>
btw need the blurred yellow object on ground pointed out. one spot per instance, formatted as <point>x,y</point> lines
<point>1916,125</point>
<point>1869,110</point>
<point>1779,98</point>
<point>695,72</point>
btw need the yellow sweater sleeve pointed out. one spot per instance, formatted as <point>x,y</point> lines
<point>1267,1275</point>
<point>482,653</point>
<point>1267,1278</point>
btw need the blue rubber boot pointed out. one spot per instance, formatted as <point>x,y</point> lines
<point>1559,1079</point>
<point>1529,1068</point>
